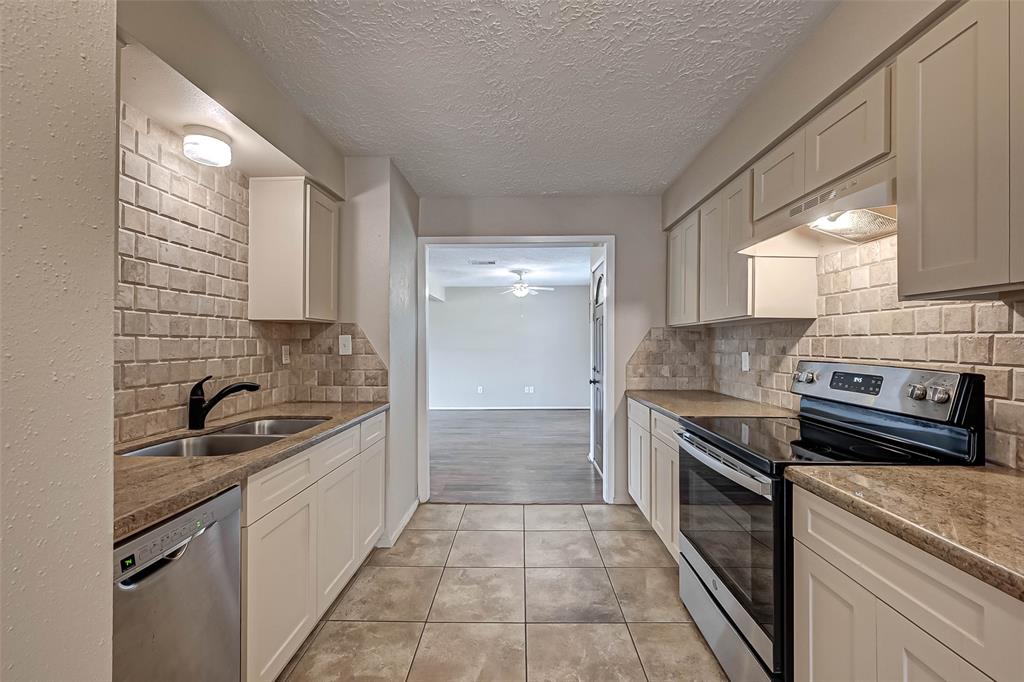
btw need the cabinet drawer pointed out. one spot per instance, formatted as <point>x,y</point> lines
<point>664,427</point>
<point>850,133</point>
<point>977,621</point>
<point>779,175</point>
<point>639,413</point>
<point>372,430</point>
<point>274,486</point>
<point>335,451</point>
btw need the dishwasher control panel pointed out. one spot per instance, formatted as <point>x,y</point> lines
<point>132,555</point>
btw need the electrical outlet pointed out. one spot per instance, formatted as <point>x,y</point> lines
<point>745,361</point>
<point>345,344</point>
<point>479,389</point>
<point>286,355</point>
<point>527,389</point>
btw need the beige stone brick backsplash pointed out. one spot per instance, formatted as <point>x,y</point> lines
<point>182,293</point>
<point>861,320</point>
<point>670,359</point>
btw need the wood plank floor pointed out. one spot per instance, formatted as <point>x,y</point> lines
<point>512,457</point>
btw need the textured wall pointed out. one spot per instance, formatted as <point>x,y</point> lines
<point>860,319</point>
<point>57,185</point>
<point>183,288</point>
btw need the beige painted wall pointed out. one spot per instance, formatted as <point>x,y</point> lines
<point>182,34</point>
<point>856,33</point>
<point>635,221</point>
<point>404,218</point>
<point>56,340</point>
<point>365,249</point>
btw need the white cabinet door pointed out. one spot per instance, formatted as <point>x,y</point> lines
<point>665,494</point>
<point>906,653</point>
<point>321,256</point>
<point>279,585</point>
<point>953,154</point>
<point>849,133</point>
<point>738,226</point>
<point>337,554</point>
<point>371,497</point>
<point>639,449</point>
<point>1017,141</point>
<point>779,175</point>
<point>833,622</point>
<point>684,271</point>
<point>714,276</point>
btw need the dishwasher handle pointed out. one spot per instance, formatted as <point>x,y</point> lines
<point>143,576</point>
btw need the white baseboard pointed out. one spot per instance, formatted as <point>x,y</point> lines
<point>530,407</point>
<point>387,540</point>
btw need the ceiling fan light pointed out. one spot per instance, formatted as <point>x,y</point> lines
<point>519,290</point>
<point>206,146</point>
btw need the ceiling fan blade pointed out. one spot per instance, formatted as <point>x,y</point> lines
<point>508,291</point>
<point>533,293</point>
<point>543,288</point>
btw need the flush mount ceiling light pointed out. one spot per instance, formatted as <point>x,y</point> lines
<point>859,225</point>
<point>206,146</point>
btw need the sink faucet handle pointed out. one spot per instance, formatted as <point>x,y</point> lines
<point>197,389</point>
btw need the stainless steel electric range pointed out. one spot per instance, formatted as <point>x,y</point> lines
<point>735,523</point>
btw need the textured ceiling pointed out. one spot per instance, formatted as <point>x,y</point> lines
<point>518,97</point>
<point>547,265</point>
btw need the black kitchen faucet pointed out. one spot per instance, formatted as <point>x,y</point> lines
<point>199,406</point>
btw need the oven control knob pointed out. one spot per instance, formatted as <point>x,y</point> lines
<point>938,394</point>
<point>916,392</point>
<point>807,377</point>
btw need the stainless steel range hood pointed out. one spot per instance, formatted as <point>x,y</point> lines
<point>859,208</point>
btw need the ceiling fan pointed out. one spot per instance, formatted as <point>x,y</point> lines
<point>521,288</point>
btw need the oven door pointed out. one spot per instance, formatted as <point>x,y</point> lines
<point>728,520</point>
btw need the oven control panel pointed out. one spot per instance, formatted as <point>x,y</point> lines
<point>914,392</point>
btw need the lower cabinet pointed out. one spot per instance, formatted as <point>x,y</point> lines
<point>298,557</point>
<point>835,618</point>
<point>279,605</point>
<point>665,494</point>
<point>639,472</point>
<point>338,545</point>
<point>869,606</point>
<point>370,510</point>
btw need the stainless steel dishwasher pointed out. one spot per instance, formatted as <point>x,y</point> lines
<point>176,597</point>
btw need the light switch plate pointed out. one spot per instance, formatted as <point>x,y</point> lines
<point>345,344</point>
<point>286,355</point>
<point>745,361</point>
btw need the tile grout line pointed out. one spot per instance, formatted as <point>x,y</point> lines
<point>437,587</point>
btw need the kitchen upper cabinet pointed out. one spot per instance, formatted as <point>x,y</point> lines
<point>279,585</point>
<point>779,175</point>
<point>906,653</point>
<point>953,153</point>
<point>665,494</point>
<point>684,271</point>
<point>294,237</point>
<point>338,548</point>
<point>725,274</point>
<point>1017,141</point>
<point>833,622</point>
<point>639,472</point>
<point>850,133</point>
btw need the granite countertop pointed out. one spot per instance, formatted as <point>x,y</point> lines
<point>970,517</point>
<point>150,489</point>
<point>705,404</point>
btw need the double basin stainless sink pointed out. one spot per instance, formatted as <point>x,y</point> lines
<point>230,441</point>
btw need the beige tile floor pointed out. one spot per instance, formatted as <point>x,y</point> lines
<point>503,592</point>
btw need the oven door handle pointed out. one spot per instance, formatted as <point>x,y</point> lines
<point>762,487</point>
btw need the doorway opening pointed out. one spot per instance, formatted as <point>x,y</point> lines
<point>514,370</point>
